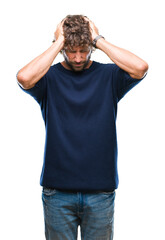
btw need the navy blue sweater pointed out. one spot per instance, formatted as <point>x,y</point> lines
<point>79,110</point>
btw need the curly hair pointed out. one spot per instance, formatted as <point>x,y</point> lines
<point>76,32</point>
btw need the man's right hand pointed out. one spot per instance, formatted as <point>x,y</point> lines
<point>59,33</point>
<point>31,73</point>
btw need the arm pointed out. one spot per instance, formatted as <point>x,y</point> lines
<point>30,74</point>
<point>129,62</point>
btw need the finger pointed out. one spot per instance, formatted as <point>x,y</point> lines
<point>87,19</point>
<point>62,22</point>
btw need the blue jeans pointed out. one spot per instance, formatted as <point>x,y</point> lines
<point>65,211</point>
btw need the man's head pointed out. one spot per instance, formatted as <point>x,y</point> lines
<point>78,42</point>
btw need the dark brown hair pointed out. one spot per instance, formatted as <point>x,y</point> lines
<point>76,32</point>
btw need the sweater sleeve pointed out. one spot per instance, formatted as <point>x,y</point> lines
<point>123,82</point>
<point>38,91</point>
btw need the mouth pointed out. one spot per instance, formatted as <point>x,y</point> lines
<point>78,64</point>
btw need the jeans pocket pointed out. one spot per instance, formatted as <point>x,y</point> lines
<point>48,191</point>
<point>109,193</point>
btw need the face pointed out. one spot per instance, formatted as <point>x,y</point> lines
<point>78,58</point>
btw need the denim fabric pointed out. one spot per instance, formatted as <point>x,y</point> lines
<point>65,211</point>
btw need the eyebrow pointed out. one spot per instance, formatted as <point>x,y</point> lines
<point>81,50</point>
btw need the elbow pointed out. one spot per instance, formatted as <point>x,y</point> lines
<point>23,80</point>
<point>144,68</point>
<point>141,70</point>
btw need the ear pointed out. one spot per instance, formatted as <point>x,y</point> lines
<point>65,56</point>
<point>89,54</point>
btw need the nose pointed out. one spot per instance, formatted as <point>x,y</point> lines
<point>78,57</point>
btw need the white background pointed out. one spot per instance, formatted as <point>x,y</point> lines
<point>27,29</point>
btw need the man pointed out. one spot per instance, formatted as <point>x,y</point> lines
<point>78,99</point>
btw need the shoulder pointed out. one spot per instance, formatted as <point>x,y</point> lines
<point>53,71</point>
<point>106,66</point>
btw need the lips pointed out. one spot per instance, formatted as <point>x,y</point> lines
<point>78,64</point>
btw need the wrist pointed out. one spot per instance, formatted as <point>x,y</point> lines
<point>59,42</point>
<point>96,39</point>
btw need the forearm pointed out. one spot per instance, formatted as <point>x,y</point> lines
<point>129,62</point>
<point>30,74</point>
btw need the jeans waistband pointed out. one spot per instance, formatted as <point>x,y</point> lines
<point>82,191</point>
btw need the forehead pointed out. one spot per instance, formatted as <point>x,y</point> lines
<point>78,48</point>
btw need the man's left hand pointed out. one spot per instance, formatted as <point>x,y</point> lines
<point>94,30</point>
